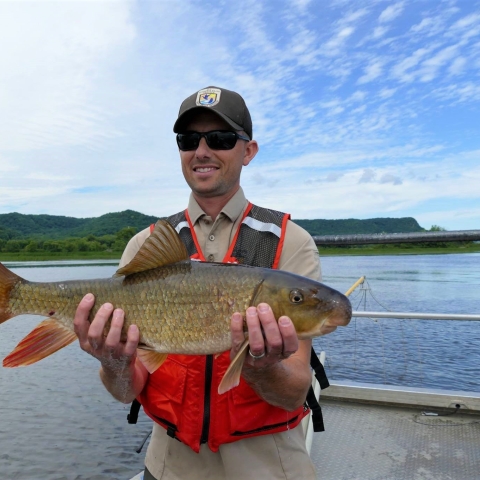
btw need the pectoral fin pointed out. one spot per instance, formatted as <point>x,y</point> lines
<point>231,378</point>
<point>46,338</point>
<point>150,359</point>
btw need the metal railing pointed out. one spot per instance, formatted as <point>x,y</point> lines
<point>417,316</point>
<point>381,238</point>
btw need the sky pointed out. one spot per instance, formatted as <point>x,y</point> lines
<point>362,109</point>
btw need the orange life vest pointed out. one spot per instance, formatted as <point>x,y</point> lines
<point>182,394</point>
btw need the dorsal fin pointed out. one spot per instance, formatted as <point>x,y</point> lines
<point>162,247</point>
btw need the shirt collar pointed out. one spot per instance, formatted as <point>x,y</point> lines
<point>233,209</point>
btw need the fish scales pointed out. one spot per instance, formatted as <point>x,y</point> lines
<point>180,308</point>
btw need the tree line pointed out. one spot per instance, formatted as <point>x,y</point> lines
<point>90,243</point>
<point>52,227</point>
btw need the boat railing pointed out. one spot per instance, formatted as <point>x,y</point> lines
<point>417,316</point>
<point>411,237</point>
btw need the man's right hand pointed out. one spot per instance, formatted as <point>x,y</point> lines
<point>109,350</point>
<point>122,376</point>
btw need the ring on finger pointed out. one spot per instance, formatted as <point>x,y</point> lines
<point>256,357</point>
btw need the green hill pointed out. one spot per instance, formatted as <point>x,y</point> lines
<point>354,226</point>
<point>18,226</point>
<point>53,227</point>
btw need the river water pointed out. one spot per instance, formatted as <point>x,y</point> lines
<point>57,422</point>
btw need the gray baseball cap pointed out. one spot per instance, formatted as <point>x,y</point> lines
<point>228,105</point>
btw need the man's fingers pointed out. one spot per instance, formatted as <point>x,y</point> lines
<point>133,337</point>
<point>115,332</point>
<point>80,322</point>
<point>255,334</point>
<point>273,337</point>
<point>289,336</point>
<point>95,332</point>
<point>236,331</point>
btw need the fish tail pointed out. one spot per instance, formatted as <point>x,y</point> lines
<point>8,280</point>
<point>46,338</point>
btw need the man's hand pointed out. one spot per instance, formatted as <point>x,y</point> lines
<point>109,350</point>
<point>281,376</point>
<point>122,376</point>
<point>270,342</point>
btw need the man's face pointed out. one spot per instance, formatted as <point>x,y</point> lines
<point>214,173</point>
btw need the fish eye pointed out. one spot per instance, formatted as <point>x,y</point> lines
<point>296,296</point>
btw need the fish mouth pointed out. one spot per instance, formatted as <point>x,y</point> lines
<point>340,315</point>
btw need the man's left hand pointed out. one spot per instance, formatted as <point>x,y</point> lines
<point>270,341</point>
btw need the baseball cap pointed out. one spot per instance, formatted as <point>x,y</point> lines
<point>228,105</point>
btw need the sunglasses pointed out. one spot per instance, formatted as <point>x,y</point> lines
<point>216,140</point>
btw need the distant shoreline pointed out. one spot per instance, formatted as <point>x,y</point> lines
<point>49,256</point>
<point>366,250</point>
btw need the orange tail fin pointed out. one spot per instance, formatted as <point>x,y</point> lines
<point>46,338</point>
<point>7,281</point>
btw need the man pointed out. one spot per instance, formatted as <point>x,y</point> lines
<point>254,429</point>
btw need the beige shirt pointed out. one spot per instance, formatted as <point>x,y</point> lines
<point>267,456</point>
<point>299,254</point>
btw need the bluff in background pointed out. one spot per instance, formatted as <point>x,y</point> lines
<point>355,226</point>
<point>42,227</point>
<point>55,227</point>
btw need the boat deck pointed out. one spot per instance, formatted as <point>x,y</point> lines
<point>364,441</point>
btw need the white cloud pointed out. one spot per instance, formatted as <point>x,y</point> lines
<point>430,67</point>
<point>50,72</point>
<point>401,69</point>
<point>466,23</point>
<point>333,46</point>
<point>372,71</point>
<point>391,12</point>
<point>457,66</point>
<point>387,92</point>
<point>379,31</point>
<point>368,176</point>
<point>389,178</point>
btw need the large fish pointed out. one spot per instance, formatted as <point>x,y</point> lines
<point>179,306</point>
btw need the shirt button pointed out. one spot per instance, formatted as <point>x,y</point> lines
<point>211,258</point>
<point>211,237</point>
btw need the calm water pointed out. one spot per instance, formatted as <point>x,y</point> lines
<point>438,354</point>
<point>57,422</point>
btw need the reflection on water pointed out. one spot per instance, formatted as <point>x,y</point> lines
<point>57,421</point>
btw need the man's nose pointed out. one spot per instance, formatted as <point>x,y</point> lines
<point>203,149</point>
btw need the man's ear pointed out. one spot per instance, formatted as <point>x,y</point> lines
<point>251,150</point>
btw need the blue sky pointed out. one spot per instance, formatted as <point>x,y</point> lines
<point>361,109</point>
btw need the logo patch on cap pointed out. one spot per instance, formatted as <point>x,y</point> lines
<point>208,97</point>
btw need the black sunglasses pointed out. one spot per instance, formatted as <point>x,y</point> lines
<point>216,139</point>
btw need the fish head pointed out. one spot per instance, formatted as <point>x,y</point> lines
<point>314,308</point>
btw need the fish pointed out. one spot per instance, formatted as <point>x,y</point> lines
<point>180,306</point>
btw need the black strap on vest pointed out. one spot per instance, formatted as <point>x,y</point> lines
<point>312,401</point>
<point>320,373</point>
<point>132,417</point>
